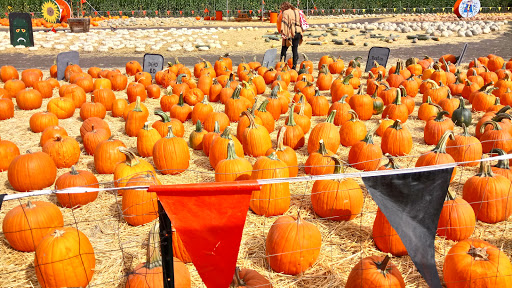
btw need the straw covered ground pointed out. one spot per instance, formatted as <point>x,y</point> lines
<point>119,247</point>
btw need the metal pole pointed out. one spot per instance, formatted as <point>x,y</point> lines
<point>166,247</point>
<point>227,10</point>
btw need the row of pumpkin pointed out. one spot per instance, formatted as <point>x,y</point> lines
<point>253,137</point>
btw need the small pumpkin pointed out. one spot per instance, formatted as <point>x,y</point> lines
<point>256,139</point>
<point>171,155</point>
<point>352,131</point>
<point>438,155</point>
<point>375,271</point>
<point>65,151</point>
<point>457,220</point>
<point>326,131</point>
<point>285,154</point>
<point>42,120</point>
<point>233,168</point>
<point>396,140</point>
<point>320,162</point>
<point>435,128</point>
<point>365,155</point>
<point>197,136</point>
<point>76,178</point>
<point>146,139</point>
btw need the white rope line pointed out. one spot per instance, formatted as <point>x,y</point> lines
<point>74,190</point>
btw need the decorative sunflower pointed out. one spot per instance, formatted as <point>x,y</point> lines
<point>51,12</point>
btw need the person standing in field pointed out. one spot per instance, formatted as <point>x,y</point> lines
<point>291,31</point>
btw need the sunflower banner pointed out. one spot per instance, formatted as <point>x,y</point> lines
<point>51,12</point>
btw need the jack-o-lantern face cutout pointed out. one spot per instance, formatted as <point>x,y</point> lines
<point>21,29</point>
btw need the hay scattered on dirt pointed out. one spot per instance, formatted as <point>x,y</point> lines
<point>120,247</point>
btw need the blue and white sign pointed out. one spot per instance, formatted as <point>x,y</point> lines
<point>469,8</point>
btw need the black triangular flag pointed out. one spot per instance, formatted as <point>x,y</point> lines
<point>2,200</point>
<point>412,203</point>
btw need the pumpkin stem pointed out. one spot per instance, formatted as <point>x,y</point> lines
<point>479,254</point>
<point>131,159</point>
<point>322,149</point>
<point>450,195</point>
<point>237,281</point>
<point>236,92</point>
<point>181,101</point>
<point>216,127</point>
<point>398,67</point>
<point>153,256</point>
<point>58,233</point>
<point>493,123</point>
<point>441,145</point>
<point>169,133</point>
<point>397,125</point>
<point>339,165</point>
<point>30,205</point>
<point>73,171</point>
<point>324,69</point>
<point>433,83</point>
<point>342,100</point>
<point>330,118</point>
<point>302,102</point>
<point>280,139</point>
<point>231,151</point>
<point>354,115</point>
<point>383,266</point>
<point>226,134</point>
<point>179,79</point>
<point>273,156</point>
<point>250,116</point>
<point>368,139</point>
<point>163,116</point>
<point>465,131</point>
<point>502,164</point>
<point>485,169</point>
<point>291,121</point>
<point>199,127</point>
<point>346,80</point>
<point>440,115</point>
<point>263,106</point>
<point>146,126</point>
<point>398,98</point>
<point>391,162</point>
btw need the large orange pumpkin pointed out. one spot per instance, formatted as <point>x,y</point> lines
<point>76,178</point>
<point>65,251</point>
<point>31,171</point>
<point>457,220</point>
<point>107,156</point>
<point>375,271</point>
<point>25,225</point>
<point>170,154</point>
<point>292,245</point>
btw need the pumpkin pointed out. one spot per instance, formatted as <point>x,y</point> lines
<point>29,99</point>
<point>107,156</point>
<point>363,105</point>
<point>135,120</point>
<point>63,108</point>
<point>31,76</point>
<point>178,249</point>
<point>319,104</point>
<point>233,168</point>
<point>383,125</point>
<point>171,155</point>
<point>64,250</point>
<point>244,122</point>
<point>324,79</point>
<point>93,71</point>
<point>119,82</point>
<point>65,151</point>
<point>135,90</point>
<point>13,87</point>
<point>327,132</point>
<point>24,226</point>
<point>256,139</point>
<point>218,147</point>
<point>8,151</point>
<point>76,178</point>
<point>341,109</point>
<point>201,111</point>
<point>105,97</point>
<point>340,87</point>
<point>94,137</point>
<point>375,271</point>
<point>320,162</point>
<point>92,109</point>
<point>385,237</point>
<point>469,88</point>
<point>388,95</point>
<point>352,131</point>
<point>300,118</point>
<point>376,69</point>
<point>168,100</point>
<point>488,195</point>
<point>118,107</point>
<point>129,168</point>
<point>395,78</point>
<point>354,66</point>
<point>162,125</point>
<point>302,241</point>
<point>294,134</point>
<point>482,100</point>
<point>97,122</point>
<point>438,155</point>
<point>102,83</point>
<point>337,200</point>
<point>246,278</point>
<point>8,73</point>
<point>436,92</point>
<point>461,115</point>
<point>133,67</point>
<point>435,128</point>
<point>285,154</point>
<point>42,120</point>
<point>197,136</point>
<point>272,199</point>
<point>75,93</point>
<point>50,133</point>
<point>495,138</point>
<point>477,263</point>
<point>266,117</point>
<point>31,171</point>
<point>181,111</point>
<point>139,206</point>
<point>503,166</point>
<point>396,110</point>
<point>457,220</point>
<point>396,140</point>
<point>365,155</point>
<point>45,88</point>
<point>391,165</point>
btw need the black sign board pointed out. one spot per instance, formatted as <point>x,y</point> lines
<point>65,59</point>
<point>379,54</point>
<point>269,59</point>
<point>20,27</point>
<point>153,63</point>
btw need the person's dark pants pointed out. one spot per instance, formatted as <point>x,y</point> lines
<point>295,48</point>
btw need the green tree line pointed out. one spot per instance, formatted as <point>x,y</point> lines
<point>233,5</point>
